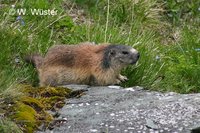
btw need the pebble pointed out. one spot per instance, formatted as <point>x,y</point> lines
<point>93,130</point>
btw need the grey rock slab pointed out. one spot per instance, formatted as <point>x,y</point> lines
<point>75,87</point>
<point>131,110</point>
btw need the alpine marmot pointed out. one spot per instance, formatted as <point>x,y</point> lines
<point>84,63</point>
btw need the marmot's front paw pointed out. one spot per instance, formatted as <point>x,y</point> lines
<point>122,78</point>
<point>118,82</point>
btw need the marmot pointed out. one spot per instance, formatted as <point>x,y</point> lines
<point>84,63</point>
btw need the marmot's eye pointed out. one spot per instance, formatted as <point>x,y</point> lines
<point>124,52</point>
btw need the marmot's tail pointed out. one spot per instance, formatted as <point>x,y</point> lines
<point>35,59</point>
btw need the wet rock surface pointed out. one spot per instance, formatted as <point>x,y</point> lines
<point>133,110</point>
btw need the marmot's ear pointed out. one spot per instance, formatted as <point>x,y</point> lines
<point>112,52</point>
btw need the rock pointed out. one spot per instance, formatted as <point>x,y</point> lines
<point>196,130</point>
<point>151,124</point>
<point>75,87</point>
<point>118,110</point>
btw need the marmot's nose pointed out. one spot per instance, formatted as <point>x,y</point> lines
<point>138,55</point>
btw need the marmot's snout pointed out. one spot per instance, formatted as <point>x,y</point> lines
<point>135,55</point>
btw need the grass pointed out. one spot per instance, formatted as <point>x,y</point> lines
<point>9,126</point>
<point>167,51</point>
<point>166,32</point>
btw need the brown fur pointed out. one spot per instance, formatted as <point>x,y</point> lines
<point>77,64</point>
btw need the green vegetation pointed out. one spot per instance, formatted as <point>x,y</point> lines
<point>29,108</point>
<point>166,32</point>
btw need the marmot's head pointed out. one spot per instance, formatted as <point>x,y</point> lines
<point>119,56</point>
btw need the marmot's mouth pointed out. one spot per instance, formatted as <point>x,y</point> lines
<point>134,61</point>
<point>127,62</point>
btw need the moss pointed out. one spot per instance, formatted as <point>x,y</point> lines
<point>33,102</point>
<point>45,91</point>
<point>52,91</point>
<point>26,116</point>
<point>29,111</point>
<point>52,102</point>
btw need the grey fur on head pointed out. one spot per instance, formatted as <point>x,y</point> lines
<point>121,54</point>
